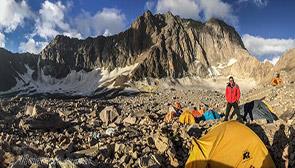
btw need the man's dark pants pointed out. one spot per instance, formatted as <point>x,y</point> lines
<point>236,110</point>
<point>248,108</point>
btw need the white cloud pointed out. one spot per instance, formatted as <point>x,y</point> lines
<point>106,22</point>
<point>241,1</point>
<point>107,33</point>
<point>183,8</point>
<point>259,3</point>
<point>2,40</point>
<point>273,60</point>
<point>51,21</point>
<point>218,9</point>
<point>32,46</point>
<point>13,14</point>
<point>196,8</point>
<point>149,5</point>
<point>259,46</point>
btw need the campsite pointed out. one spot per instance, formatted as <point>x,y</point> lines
<point>147,84</point>
<point>123,133</point>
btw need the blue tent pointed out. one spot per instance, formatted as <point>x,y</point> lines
<point>211,115</point>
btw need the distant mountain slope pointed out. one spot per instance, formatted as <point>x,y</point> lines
<point>163,45</point>
<point>155,46</point>
<point>13,66</point>
<point>286,62</point>
<point>286,65</point>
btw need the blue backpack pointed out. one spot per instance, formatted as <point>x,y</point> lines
<point>211,115</point>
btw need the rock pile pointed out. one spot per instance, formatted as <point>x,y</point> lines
<point>121,132</point>
<point>279,138</point>
<point>281,99</point>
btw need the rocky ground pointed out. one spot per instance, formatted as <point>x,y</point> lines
<point>127,131</point>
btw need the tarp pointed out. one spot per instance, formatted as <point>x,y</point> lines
<point>197,113</point>
<point>187,118</point>
<point>211,115</point>
<point>260,110</point>
<point>229,144</point>
<point>169,117</point>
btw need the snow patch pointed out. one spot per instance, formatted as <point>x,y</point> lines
<point>273,61</point>
<point>230,63</point>
<point>108,76</point>
<point>213,71</point>
<point>80,83</point>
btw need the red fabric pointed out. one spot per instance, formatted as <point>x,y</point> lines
<point>197,113</point>
<point>232,94</point>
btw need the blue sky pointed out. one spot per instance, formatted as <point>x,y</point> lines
<point>266,26</point>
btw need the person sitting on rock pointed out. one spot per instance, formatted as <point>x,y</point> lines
<point>178,108</point>
<point>232,94</point>
<point>277,80</point>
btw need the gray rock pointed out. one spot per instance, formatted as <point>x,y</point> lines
<point>92,151</point>
<point>31,111</point>
<point>119,148</point>
<point>45,121</point>
<point>162,143</point>
<point>108,114</point>
<point>148,161</point>
<point>130,120</point>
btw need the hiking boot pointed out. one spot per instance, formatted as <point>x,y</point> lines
<point>241,121</point>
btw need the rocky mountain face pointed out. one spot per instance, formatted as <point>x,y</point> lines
<point>287,61</point>
<point>155,46</point>
<point>12,66</point>
<point>162,45</point>
<point>286,65</point>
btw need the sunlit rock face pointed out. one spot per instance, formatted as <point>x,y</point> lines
<point>155,46</point>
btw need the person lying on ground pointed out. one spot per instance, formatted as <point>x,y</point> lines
<point>198,113</point>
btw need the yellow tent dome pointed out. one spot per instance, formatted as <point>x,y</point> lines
<point>229,144</point>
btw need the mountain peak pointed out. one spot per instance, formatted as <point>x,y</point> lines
<point>219,22</point>
<point>216,20</point>
<point>169,14</point>
<point>156,46</point>
<point>147,14</point>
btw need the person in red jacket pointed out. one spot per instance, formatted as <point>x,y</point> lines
<point>232,94</point>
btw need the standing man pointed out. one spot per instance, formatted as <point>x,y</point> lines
<point>232,94</point>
